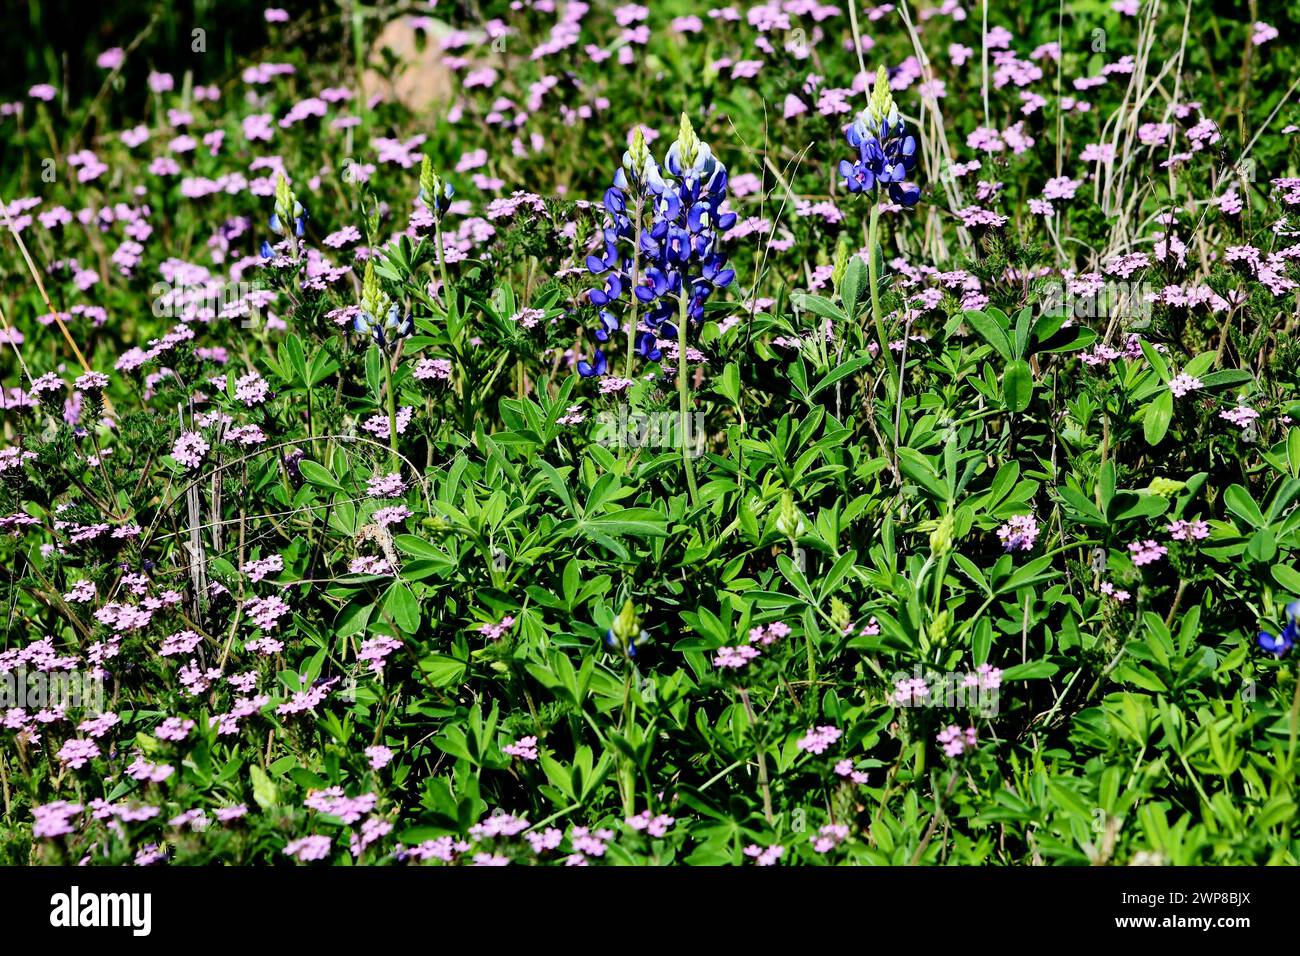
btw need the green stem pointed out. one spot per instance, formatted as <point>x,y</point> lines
<point>627,772</point>
<point>1295,721</point>
<point>311,424</point>
<point>764,785</point>
<point>812,656</point>
<point>683,396</point>
<point>636,280</point>
<point>442,268</point>
<point>873,279</point>
<point>392,408</point>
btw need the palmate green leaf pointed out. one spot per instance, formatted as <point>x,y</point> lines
<point>1039,569</point>
<point>322,367</point>
<point>455,742</point>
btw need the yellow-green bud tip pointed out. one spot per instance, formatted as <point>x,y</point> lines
<point>688,143</point>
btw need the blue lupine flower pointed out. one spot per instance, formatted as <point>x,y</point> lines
<point>595,367</point>
<point>619,232</point>
<point>394,327</point>
<point>679,249</point>
<point>435,192</point>
<point>441,200</point>
<point>299,217</point>
<point>614,644</point>
<point>289,216</point>
<point>1283,642</point>
<point>390,331</point>
<point>625,633</point>
<point>886,153</point>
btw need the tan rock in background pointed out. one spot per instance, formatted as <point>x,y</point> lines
<point>420,81</point>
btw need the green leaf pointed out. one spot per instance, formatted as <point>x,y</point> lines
<point>1033,670</point>
<point>839,374</point>
<point>319,475</point>
<point>403,606</point>
<point>853,285</point>
<point>1017,385</point>
<point>416,546</point>
<point>1159,413</point>
<point>297,358</point>
<point>1022,331</point>
<point>1287,578</point>
<point>918,467</point>
<point>1240,503</point>
<point>264,791</point>
<point>1228,376</point>
<point>374,371</point>
<point>728,383</point>
<point>836,574</point>
<point>991,331</point>
<point>1157,361</point>
<point>819,305</point>
<point>1262,546</point>
<point>443,671</point>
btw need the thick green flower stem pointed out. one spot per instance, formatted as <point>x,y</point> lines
<point>1295,722</point>
<point>764,785</point>
<point>873,280</point>
<point>627,770</point>
<point>636,280</point>
<point>684,397</point>
<point>392,405</point>
<point>442,266</point>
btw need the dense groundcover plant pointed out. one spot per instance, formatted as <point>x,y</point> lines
<point>765,434</point>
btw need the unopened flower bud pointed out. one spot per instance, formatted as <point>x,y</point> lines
<point>841,263</point>
<point>941,537</point>
<point>840,616</point>
<point>789,522</point>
